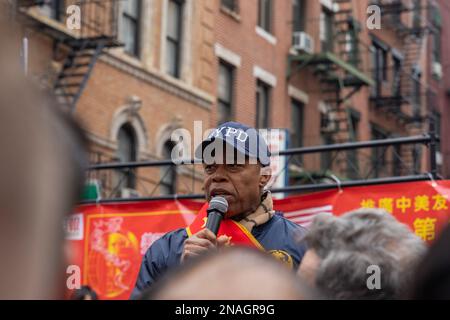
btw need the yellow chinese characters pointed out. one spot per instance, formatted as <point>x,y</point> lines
<point>440,202</point>
<point>386,204</point>
<point>403,203</point>
<point>419,203</point>
<point>425,228</point>
<point>367,203</point>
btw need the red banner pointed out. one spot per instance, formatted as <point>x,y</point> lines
<point>108,241</point>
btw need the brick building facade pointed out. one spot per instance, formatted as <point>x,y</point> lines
<point>312,67</point>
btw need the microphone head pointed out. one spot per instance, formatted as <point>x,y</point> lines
<point>218,203</point>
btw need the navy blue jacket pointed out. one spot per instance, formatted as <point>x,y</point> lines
<point>276,234</point>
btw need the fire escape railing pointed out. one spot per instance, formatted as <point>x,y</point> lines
<point>94,31</point>
<point>430,140</point>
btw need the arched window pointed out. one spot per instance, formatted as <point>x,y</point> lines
<point>168,182</point>
<point>126,152</point>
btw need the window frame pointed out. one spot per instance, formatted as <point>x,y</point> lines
<point>437,117</point>
<point>171,187</point>
<point>416,94</point>
<point>397,63</point>
<point>326,158</point>
<point>264,89</point>
<point>354,118</point>
<point>265,17</point>
<point>297,126</point>
<point>377,133</point>
<point>380,65</point>
<point>326,29</point>
<point>129,174</point>
<point>436,44</point>
<point>223,65</point>
<point>231,5</point>
<point>176,42</point>
<point>299,14</point>
<point>135,52</point>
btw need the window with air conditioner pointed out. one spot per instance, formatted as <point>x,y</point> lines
<point>231,5</point>
<point>303,42</point>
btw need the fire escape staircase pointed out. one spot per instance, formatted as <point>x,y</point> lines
<point>338,70</point>
<point>98,31</point>
<point>406,82</point>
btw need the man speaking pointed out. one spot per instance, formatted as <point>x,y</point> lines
<point>239,210</point>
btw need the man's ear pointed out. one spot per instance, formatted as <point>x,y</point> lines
<point>264,177</point>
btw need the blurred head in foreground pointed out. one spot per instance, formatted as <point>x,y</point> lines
<point>41,175</point>
<point>364,254</point>
<point>84,293</point>
<point>235,273</point>
<point>433,275</point>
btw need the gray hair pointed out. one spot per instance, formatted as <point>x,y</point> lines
<point>349,244</point>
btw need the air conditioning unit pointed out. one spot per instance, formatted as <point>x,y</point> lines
<point>129,193</point>
<point>437,70</point>
<point>303,42</point>
<point>328,123</point>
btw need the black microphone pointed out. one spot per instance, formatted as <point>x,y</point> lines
<point>218,206</point>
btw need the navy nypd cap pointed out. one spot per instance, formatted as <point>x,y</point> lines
<point>242,138</point>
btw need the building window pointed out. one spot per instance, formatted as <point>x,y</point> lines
<point>436,46</point>
<point>416,94</point>
<point>225,92</point>
<point>437,127</point>
<point>379,62</point>
<point>126,152</point>
<point>397,161</point>
<point>231,5</point>
<point>326,30</point>
<point>352,155</point>
<point>351,42</point>
<point>299,14</point>
<point>326,158</point>
<point>173,37</point>
<point>168,174</point>
<point>297,109</point>
<point>436,24</point>
<point>417,14</point>
<point>396,77</point>
<point>130,25</point>
<point>265,14</point>
<point>262,104</point>
<point>55,9</point>
<point>379,161</point>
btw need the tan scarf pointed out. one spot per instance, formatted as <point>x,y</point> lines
<point>263,213</point>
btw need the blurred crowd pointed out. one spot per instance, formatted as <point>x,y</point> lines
<point>366,254</point>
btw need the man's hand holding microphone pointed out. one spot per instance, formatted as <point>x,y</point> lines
<point>206,239</point>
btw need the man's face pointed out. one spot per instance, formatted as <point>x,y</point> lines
<point>239,184</point>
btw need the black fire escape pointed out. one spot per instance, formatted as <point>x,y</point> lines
<point>338,66</point>
<point>80,44</point>
<point>405,98</point>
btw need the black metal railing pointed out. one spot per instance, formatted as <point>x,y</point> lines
<point>430,140</point>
